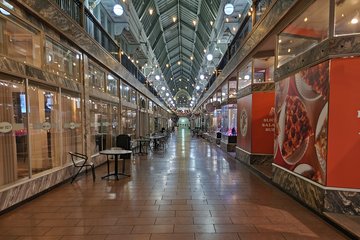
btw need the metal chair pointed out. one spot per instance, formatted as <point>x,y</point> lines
<point>80,161</point>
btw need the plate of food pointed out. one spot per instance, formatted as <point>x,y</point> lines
<point>305,170</point>
<point>305,90</point>
<point>313,83</point>
<point>321,138</point>
<point>281,90</point>
<point>294,130</point>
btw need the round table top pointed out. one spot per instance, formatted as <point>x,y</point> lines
<point>142,139</point>
<point>115,151</point>
<point>157,137</point>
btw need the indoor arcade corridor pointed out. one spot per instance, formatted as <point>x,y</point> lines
<point>193,190</point>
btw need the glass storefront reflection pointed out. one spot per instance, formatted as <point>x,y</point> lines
<point>14,159</point>
<point>44,128</point>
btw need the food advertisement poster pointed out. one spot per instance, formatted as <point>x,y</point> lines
<point>244,123</point>
<point>301,122</point>
<point>263,123</point>
<point>344,124</point>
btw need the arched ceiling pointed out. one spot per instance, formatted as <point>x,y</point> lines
<point>178,32</point>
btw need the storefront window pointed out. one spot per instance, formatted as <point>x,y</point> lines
<point>114,124</point>
<point>71,123</point>
<point>19,41</point>
<point>44,128</point>
<point>133,96</point>
<point>308,30</point>
<point>100,125</point>
<point>96,77</point>
<point>128,120</point>
<point>263,69</point>
<point>111,85</point>
<point>61,61</point>
<point>232,89</point>
<point>125,92</point>
<point>245,76</point>
<point>224,92</point>
<point>347,17</point>
<point>14,161</point>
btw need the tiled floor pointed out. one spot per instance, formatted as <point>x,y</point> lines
<point>191,191</point>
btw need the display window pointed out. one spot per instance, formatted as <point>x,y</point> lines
<point>232,89</point>
<point>18,40</point>
<point>125,92</point>
<point>305,32</point>
<point>71,113</point>
<point>229,120</point>
<point>245,75</point>
<point>224,92</point>
<point>114,128</point>
<point>133,96</point>
<point>263,69</point>
<point>14,160</point>
<point>128,120</point>
<point>44,128</point>
<point>61,61</point>
<point>111,85</point>
<point>100,125</point>
<point>347,17</point>
<point>96,77</point>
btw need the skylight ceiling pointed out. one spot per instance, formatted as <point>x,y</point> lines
<point>178,32</point>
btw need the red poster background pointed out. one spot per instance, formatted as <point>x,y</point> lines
<point>344,124</point>
<point>262,140</point>
<point>244,104</point>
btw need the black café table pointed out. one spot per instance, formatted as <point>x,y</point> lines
<point>116,153</point>
<point>142,142</point>
<point>156,138</point>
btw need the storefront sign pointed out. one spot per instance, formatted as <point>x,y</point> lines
<point>5,127</point>
<point>46,126</point>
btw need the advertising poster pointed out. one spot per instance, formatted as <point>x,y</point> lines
<point>263,123</point>
<point>244,123</point>
<point>344,124</point>
<point>301,122</point>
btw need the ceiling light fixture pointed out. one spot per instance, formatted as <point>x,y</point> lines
<point>229,9</point>
<point>118,10</point>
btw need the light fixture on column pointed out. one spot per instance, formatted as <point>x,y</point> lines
<point>118,10</point>
<point>228,9</point>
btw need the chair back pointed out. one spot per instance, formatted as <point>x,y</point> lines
<point>75,157</point>
<point>124,141</point>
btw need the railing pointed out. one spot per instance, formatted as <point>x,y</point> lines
<point>72,8</point>
<point>96,30</point>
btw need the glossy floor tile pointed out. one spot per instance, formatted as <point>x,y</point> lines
<point>193,190</point>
